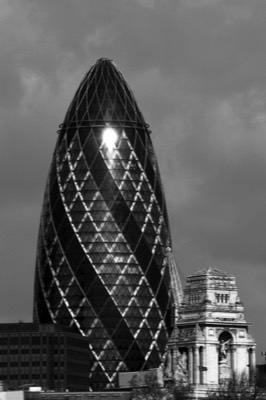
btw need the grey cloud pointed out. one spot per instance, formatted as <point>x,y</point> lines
<point>197,69</point>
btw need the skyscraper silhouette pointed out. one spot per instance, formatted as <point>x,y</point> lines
<point>101,260</point>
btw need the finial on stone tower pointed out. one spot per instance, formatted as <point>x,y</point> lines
<point>176,285</point>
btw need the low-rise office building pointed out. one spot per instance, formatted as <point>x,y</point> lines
<point>48,355</point>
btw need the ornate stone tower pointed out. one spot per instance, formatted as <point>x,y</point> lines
<point>211,339</point>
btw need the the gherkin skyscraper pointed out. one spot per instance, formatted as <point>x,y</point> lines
<point>101,260</point>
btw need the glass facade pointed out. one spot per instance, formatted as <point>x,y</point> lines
<point>101,260</point>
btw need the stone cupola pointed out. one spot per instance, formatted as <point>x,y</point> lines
<point>211,295</point>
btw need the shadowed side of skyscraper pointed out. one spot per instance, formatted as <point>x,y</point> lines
<point>101,260</point>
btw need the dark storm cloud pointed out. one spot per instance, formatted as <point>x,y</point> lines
<point>197,68</point>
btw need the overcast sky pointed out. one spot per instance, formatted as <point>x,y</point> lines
<point>198,71</point>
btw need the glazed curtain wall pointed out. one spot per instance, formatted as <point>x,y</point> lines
<point>101,264</point>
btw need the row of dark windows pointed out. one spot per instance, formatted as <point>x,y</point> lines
<point>17,350</point>
<point>18,363</point>
<point>33,340</point>
<point>22,376</point>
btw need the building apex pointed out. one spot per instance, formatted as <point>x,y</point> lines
<point>106,61</point>
<point>103,98</point>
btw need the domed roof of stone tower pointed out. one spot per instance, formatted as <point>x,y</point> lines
<point>211,271</point>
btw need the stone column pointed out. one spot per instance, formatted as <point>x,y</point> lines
<point>190,365</point>
<point>252,363</point>
<point>174,359</point>
<point>196,366</point>
<point>202,365</point>
<point>233,359</point>
<point>169,364</point>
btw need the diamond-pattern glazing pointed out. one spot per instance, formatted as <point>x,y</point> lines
<point>101,265</point>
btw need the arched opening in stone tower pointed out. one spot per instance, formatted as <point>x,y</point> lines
<point>225,356</point>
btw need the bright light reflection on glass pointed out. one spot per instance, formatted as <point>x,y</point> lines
<point>109,138</point>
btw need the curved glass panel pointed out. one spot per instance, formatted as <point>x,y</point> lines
<point>101,263</point>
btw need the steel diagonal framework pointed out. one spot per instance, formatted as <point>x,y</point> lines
<point>101,261</point>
